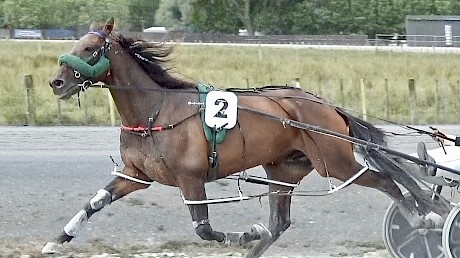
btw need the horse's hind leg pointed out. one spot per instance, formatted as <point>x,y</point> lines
<point>384,183</point>
<point>115,190</point>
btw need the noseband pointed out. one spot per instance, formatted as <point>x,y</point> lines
<point>87,70</point>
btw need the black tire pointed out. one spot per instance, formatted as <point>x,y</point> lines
<point>451,234</point>
<point>402,241</point>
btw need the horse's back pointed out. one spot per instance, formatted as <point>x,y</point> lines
<point>263,137</point>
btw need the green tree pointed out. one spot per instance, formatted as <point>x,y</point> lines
<point>213,16</point>
<point>142,13</point>
<point>47,14</point>
<point>174,14</point>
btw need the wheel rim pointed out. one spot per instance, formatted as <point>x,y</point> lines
<point>405,242</point>
<point>451,234</point>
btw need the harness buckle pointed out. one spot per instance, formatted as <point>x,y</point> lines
<point>86,85</point>
<point>76,74</point>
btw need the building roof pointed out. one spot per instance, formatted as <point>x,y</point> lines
<point>433,18</point>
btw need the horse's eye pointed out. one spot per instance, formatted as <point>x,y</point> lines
<point>87,49</point>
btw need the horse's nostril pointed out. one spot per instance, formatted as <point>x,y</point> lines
<point>57,83</point>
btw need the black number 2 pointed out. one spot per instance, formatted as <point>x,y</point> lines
<point>221,112</point>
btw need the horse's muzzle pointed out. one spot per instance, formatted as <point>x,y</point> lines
<point>57,83</point>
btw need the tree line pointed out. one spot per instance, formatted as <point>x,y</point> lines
<point>269,17</point>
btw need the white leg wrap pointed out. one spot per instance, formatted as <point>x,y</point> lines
<point>102,198</point>
<point>76,223</point>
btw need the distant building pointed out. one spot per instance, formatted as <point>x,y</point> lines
<point>156,30</point>
<point>433,31</point>
<point>157,34</point>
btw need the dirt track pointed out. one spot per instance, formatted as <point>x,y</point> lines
<point>49,173</point>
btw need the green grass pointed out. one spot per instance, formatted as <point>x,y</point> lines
<point>333,74</point>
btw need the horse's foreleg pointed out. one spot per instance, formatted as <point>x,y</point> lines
<point>193,190</point>
<point>278,223</point>
<point>115,190</point>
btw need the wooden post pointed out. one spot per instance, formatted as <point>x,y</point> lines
<point>111,109</point>
<point>351,93</point>
<point>247,83</point>
<point>437,99</point>
<point>260,55</point>
<point>412,102</point>
<point>363,99</point>
<point>29,85</point>
<point>297,83</point>
<point>83,98</point>
<point>387,100</point>
<point>458,100</point>
<point>342,94</point>
<point>59,113</point>
<point>444,102</point>
<point>319,87</point>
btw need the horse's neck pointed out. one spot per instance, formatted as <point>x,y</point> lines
<point>135,94</point>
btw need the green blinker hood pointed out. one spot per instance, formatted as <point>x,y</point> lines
<point>87,70</point>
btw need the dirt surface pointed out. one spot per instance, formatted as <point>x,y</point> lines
<point>48,173</point>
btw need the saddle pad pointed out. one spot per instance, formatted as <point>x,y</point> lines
<point>209,132</point>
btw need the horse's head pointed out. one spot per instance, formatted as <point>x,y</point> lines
<point>87,62</point>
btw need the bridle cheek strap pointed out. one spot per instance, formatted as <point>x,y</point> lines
<point>85,69</point>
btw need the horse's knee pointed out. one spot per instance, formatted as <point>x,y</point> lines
<point>101,199</point>
<point>206,232</point>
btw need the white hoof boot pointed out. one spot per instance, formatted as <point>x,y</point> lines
<point>53,248</point>
<point>262,230</point>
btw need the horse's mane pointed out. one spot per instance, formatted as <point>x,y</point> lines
<point>152,58</point>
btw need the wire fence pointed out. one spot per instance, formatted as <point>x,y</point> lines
<point>96,106</point>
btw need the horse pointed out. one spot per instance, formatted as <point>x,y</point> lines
<point>162,139</point>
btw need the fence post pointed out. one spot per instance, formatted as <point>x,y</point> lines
<point>438,105</point>
<point>444,102</point>
<point>319,87</point>
<point>412,101</point>
<point>297,82</point>
<point>363,99</point>
<point>29,85</point>
<point>83,99</point>
<point>458,99</point>
<point>342,96</point>
<point>59,112</point>
<point>111,109</point>
<point>387,99</point>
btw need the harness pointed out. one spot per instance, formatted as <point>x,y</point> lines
<point>99,63</point>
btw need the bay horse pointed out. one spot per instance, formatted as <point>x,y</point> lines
<point>162,138</point>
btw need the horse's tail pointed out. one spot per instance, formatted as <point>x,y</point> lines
<point>363,130</point>
<point>386,164</point>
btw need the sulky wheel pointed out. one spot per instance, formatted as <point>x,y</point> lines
<point>451,234</point>
<point>405,242</point>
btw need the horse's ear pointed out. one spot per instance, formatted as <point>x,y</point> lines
<point>93,26</point>
<point>109,26</point>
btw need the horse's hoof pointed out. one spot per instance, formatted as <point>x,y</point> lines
<point>53,248</point>
<point>436,220</point>
<point>262,231</point>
